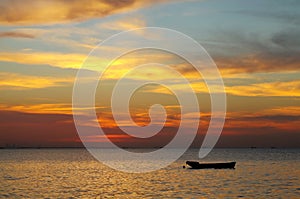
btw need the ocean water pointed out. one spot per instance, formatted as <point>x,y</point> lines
<point>74,173</point>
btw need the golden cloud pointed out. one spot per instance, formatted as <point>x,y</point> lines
<point>28,12</point>
<point>291,88</point>
<point>58,108</point>
<point>53,59</point>
<point>75,60</point>
<point>18,81</point>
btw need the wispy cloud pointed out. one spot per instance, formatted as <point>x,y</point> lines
<point>39,108</point>
<point>18,81</point>
<point>124,24</point>
<point>63,60</point>
<point>27,12</point>
<point>15,34</point>
<point>290,88</point>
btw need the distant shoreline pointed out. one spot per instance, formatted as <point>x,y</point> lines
<point>11,148</point>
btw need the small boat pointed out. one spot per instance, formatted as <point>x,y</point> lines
<point>219,165</point>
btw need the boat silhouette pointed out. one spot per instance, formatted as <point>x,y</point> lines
<point>218,165</point>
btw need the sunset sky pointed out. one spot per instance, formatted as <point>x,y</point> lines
<point>255,44</point>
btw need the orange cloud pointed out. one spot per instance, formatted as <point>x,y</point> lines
<point>288,110</point>
<point>17,81</point>
<point>106,119</point>
<point>291,88</point>
<point>40,108</point>
<point>59,108</point>
<point>53,59</point>
<point>27,12</point>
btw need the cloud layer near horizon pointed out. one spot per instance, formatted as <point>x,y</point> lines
<point>20,12</point>
<point>56,130</point>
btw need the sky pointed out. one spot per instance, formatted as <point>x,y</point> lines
<point>255,45</point>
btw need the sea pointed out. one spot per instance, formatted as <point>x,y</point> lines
<point>75,173</point>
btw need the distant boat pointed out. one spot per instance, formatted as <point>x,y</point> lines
<point>219,165</point>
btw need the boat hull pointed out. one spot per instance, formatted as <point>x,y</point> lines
<point>221,165</point>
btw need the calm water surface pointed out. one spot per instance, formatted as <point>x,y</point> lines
<point>73,173</point>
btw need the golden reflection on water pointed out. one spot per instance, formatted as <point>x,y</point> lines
<point>73,173</point>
